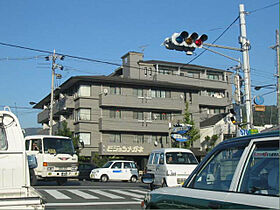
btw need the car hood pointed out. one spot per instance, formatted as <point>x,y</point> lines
<point>180,169</point>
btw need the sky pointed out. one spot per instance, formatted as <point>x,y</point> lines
<point>106,30</point>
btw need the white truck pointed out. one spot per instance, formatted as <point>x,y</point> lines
<point>56,158</point>
<point>15,189</point>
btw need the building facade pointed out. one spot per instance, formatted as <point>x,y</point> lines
<point>131,111</point>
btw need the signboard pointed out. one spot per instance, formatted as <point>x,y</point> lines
<point>259,108</point>
<point>259,100</point>
<point>179,137</point>
<point>245,132</point>
<point>181,129</point>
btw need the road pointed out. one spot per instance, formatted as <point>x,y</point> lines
<point>92,195</point>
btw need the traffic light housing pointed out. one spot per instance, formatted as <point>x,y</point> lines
<point>185,42</point>
<point>235,115</point>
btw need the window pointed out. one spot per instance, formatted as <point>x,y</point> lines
<point>218,172</point>
<point>83,114</point>
<point>138,115</point>
<point>151,158</point>
<point>126,165</point>
<point>155,161</point>
<point>115,138</point>
<point>115,114</point>
<point>213,76</point>
<point>3,139</point>
<point>138,92</point>
<point>139,139</point>
<point>161,158</point>
<point>85,137</point>
<point>262,170</point>
<point>115,90</point>
<point>27,143</point>
<point>36,145</point>
<point>84,90</point>
<point>117,165</point>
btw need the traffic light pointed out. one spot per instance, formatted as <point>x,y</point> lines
<point>185,42</point>
<point>236,117</point>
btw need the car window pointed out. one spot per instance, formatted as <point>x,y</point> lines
<point>27,142</point>
<point>218,172</point>
<point>133,165</point>
<point>262,170</point>
<point>127,165</point>
<point>151,158</point>
<point>3,140</point>
<point>180,158</point>
<point>117,165</point>
<point>155,161</point>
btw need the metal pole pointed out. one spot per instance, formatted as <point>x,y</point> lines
<point>52,90</point>
<point>278,75</point>
<point>246,66</point>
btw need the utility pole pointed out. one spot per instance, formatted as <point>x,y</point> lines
<point>54,66</point>
<point>276,47</point>
<point>52,89</point>
<point>245,46</point>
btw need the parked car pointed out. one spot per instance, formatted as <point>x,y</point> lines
<point>238,173</point>
<point>121,170</point>
<point>170,166</point>
<point>85,170</point>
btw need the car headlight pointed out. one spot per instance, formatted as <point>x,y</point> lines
<point>74,168</point>
<point>170,173</point>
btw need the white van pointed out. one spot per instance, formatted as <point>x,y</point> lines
<point>171,166</point>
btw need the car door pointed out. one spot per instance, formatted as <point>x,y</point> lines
<point>156,171</point>
<point>161,169</point>
<point>116,171</point>
<point>210,184</point>
<point>257,184</point>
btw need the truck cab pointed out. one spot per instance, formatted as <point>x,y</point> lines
<point>56,158</point>
<point>15,189</point>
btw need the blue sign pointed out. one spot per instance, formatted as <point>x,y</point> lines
<point>179,138</point>
<point>258,100</point>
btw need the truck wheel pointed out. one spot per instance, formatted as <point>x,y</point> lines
<point>33,178</point>
<point>133,179</point>
<point>104,178</point>
<point>61,181</point>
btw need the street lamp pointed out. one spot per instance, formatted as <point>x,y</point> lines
<point>264,86</point>
<point>32,103</point>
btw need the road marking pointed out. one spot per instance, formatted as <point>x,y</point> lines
<point>139,191</point>
<point>56,194</point>
<point>82,194</point>
<point>106,194</point>
<point>94,203</point>
<point>128,193</point>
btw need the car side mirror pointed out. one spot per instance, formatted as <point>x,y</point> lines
<point>32,161</point>
<point>147,178</point>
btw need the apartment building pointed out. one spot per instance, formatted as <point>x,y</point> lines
<point>131,111</point>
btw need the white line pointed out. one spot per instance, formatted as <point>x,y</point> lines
<point>93,203</point>
<point>56,194</point>
<point>128,193</point>
<point>139,191</point>
<point>106,194</point>
<point>82,194</point>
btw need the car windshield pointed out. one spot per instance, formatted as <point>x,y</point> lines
<point>58,146</point>
<point>180,158</point>
<point>107,165</point>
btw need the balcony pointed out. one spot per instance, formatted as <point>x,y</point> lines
<point>64,106</point>
<point>210,101</point>
<point>140,102</point>
<point>108,124</point>
<point>43,116</point>
<point>70,125</point>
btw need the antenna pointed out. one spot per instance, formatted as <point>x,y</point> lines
<point>143,47</point>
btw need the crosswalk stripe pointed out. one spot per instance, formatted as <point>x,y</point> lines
<point>82,194</point>
<point>56,194</point>
<point>128,193</point>
<point>106,194</point>
<point>139,191</point>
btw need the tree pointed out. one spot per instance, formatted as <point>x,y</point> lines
<point>65,131</point>
<point>193,133</point>
<point>210,142</point>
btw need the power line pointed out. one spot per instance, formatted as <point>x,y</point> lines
<point>256,10</point>
<point>215,40</point>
